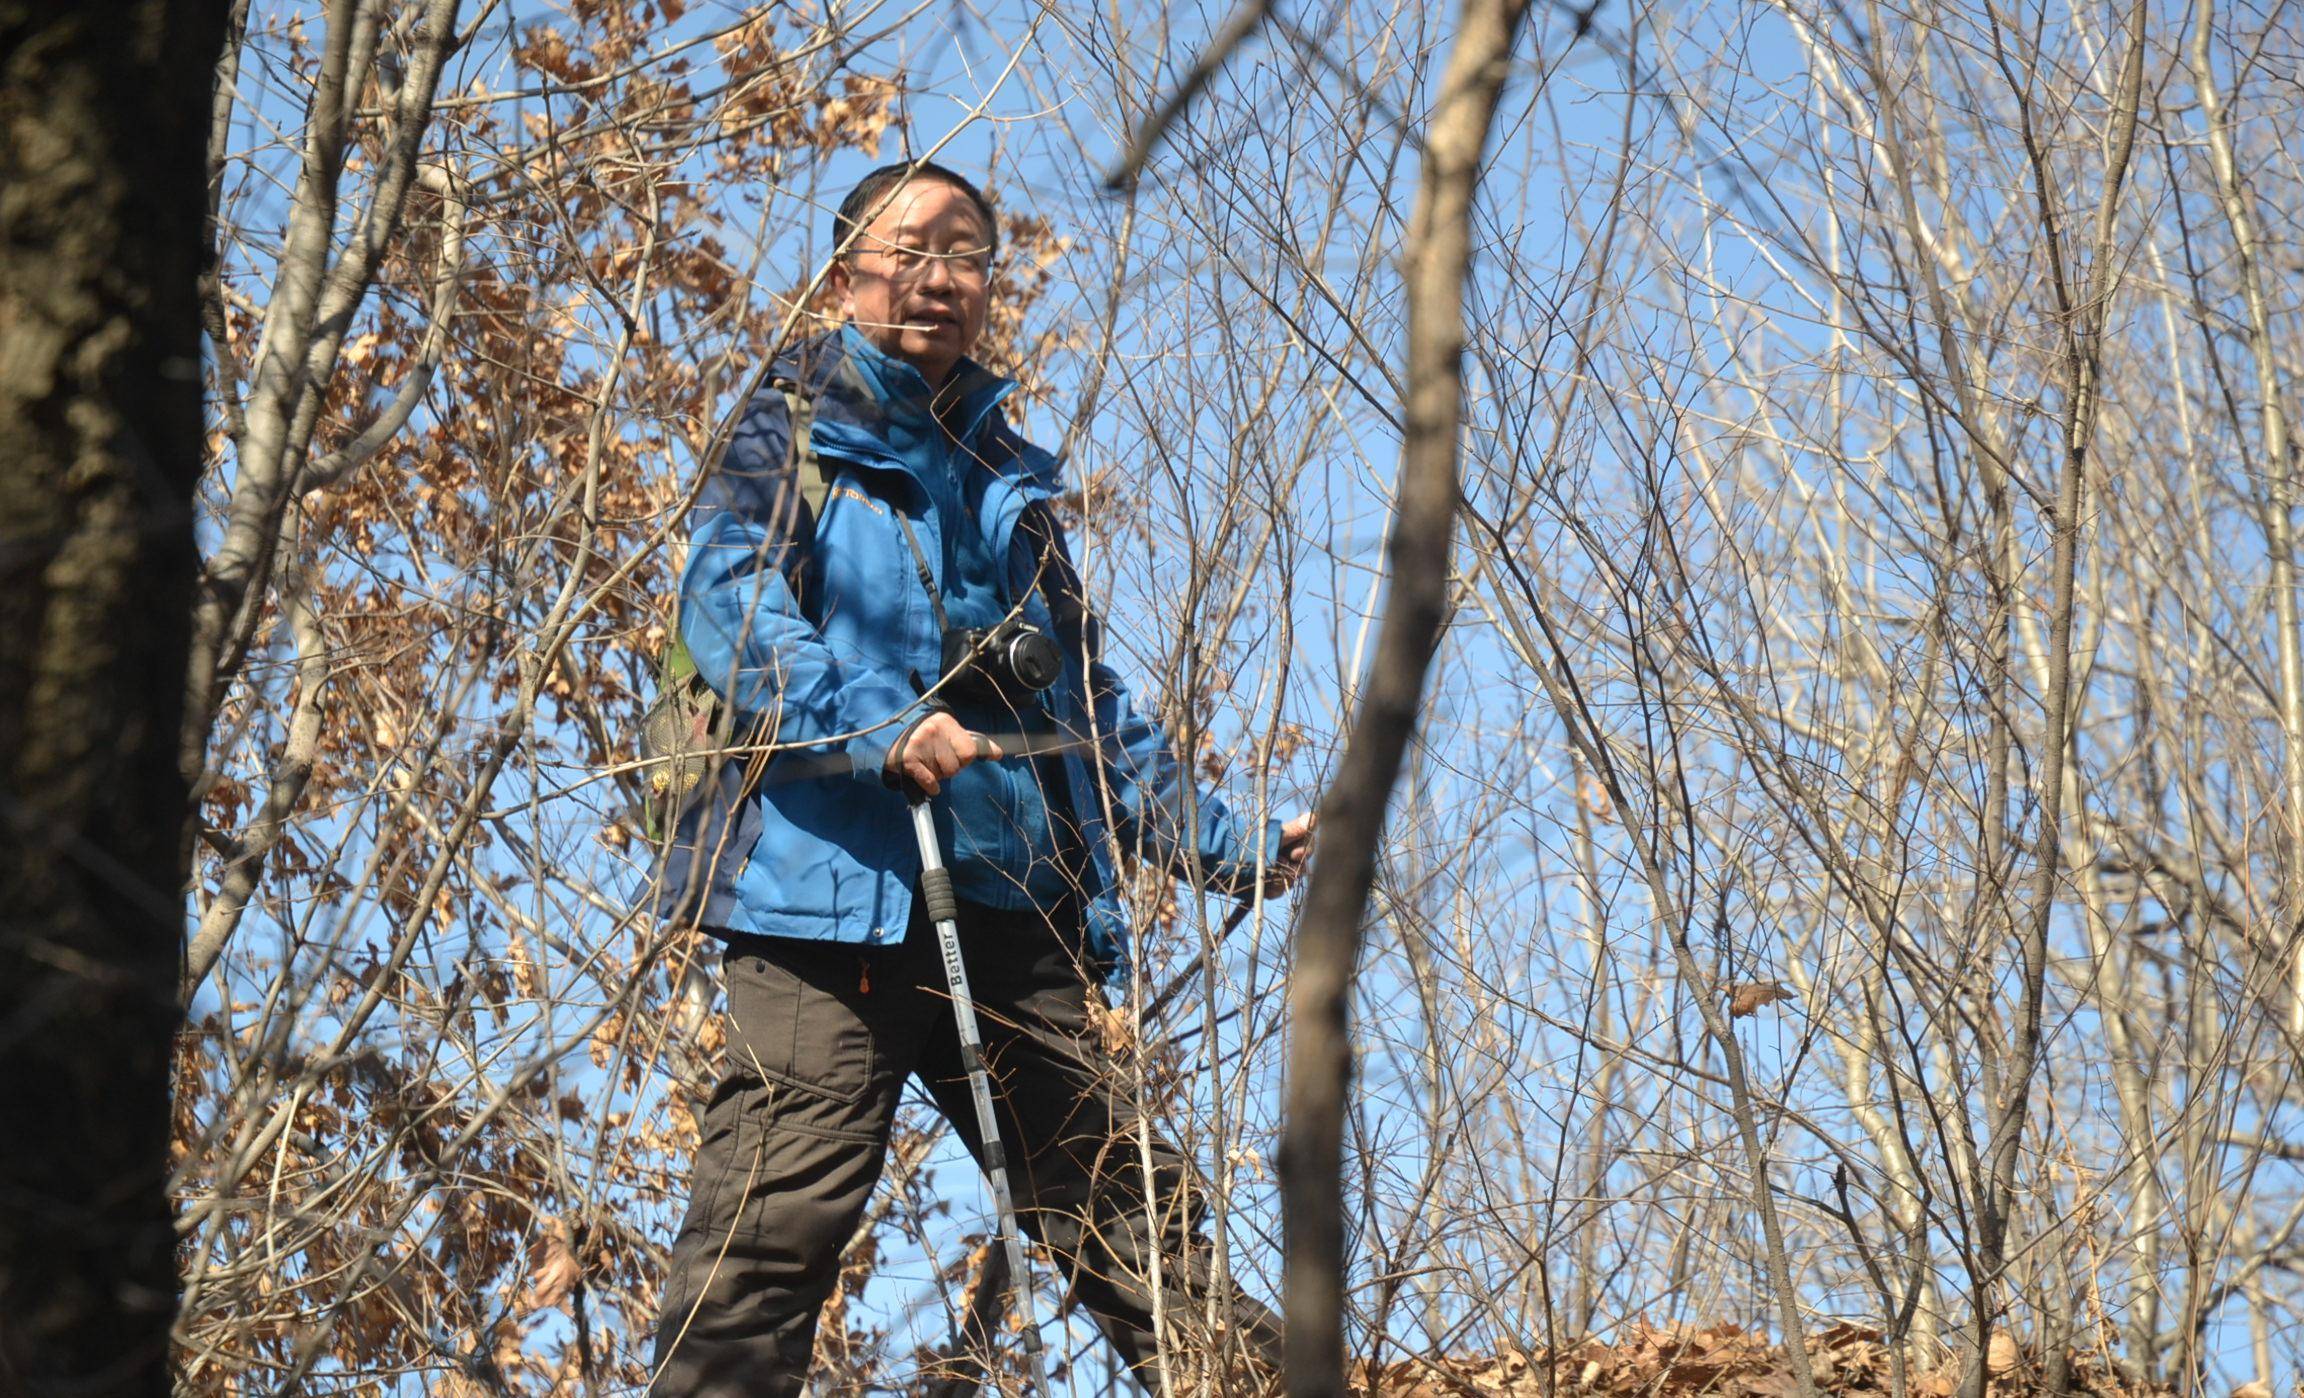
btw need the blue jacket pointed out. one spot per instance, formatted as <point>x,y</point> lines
<point>823,629</point>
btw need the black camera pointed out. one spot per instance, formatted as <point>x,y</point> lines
<point>1010,662</point>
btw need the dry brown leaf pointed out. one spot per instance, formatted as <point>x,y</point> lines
<point>1115,1033</point>
<point>2002,1354</point>
<point>1840,1333</point>
<point>1754,996</point>
<point>2254,1388</point>
<point>506,1350</point>
<point>557,1275</point>
<point>1774,1383</point>
<point>525,975</point>
<point>1595,798</point>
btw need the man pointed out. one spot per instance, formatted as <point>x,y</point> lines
<point>847,629</point>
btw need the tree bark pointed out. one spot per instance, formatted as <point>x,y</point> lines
<point>1352,815</point>
<point>102,231</point>
<point>2083,311</point>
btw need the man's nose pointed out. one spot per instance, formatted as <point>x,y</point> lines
<point>938,271</point>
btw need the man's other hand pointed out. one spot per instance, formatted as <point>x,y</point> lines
<point>934,752</point>
<point>1295,852</point>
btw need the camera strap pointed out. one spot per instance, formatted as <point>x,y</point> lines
<point>1050,560</point>
<point>1077,627</point>
<point>927,574</point>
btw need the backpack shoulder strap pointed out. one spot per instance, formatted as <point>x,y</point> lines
<point>676,670</point>
<point>678,667</point>
<point>800,416</point>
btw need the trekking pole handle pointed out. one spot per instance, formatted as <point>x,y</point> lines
<point>935,879</point>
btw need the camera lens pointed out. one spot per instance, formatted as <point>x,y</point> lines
<point>1034,660</point>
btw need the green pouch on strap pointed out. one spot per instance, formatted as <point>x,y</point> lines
<point>678,739</point>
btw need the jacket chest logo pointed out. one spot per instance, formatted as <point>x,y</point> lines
<point>845,490</point>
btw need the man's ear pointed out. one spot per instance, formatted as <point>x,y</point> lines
<point>843,291</point>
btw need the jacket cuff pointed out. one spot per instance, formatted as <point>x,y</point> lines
<point>870,752</point>
<point>1237,875</point>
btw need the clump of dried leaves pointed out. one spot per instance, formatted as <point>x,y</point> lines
<point>436,1100</point>
<point>1728,1361</point>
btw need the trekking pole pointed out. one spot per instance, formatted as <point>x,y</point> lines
<point>944,911</point>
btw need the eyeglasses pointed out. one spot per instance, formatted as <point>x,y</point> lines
<point>903,264</point>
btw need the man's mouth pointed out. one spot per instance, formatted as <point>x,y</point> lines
<point>928,318</point>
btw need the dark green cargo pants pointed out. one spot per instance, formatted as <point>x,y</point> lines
<point>821,1038</point>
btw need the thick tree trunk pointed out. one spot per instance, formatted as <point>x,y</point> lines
<point>1352,815</point>
<point>102,206</point>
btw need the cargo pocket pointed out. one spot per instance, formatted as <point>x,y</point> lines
<point>795,1009</point>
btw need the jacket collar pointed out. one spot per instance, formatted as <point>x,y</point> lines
<point>966,395</point>
<point>874,404</point>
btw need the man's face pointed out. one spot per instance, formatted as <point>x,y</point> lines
<point>913,282</point>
